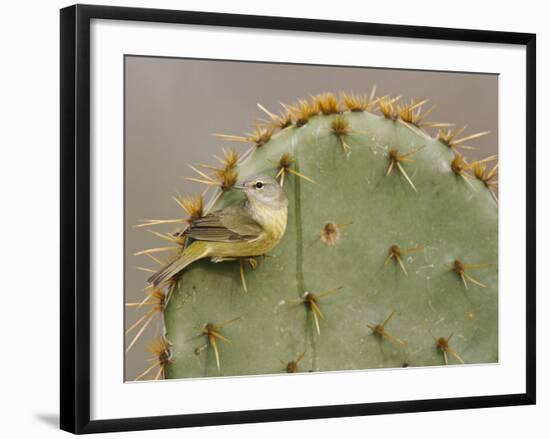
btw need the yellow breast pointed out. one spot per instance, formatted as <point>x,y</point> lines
<point>273,222</point>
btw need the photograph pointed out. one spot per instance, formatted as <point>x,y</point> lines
<point>284,218</point>
<point>267,220</point>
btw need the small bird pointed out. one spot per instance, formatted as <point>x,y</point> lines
<point>248,228</point>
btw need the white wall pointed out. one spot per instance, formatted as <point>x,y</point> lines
<point>30,205</point>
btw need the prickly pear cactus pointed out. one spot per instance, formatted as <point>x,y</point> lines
<point>389,258</point>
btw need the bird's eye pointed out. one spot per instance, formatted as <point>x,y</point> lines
<point>259,185</point>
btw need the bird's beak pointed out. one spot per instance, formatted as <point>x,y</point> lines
<point>239,187</point>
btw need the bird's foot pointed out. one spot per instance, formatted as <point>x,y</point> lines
<point>252,262</point>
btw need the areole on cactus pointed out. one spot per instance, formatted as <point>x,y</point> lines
<point>389,257</point>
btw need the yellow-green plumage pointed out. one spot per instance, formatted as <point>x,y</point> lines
<point>249,228</point>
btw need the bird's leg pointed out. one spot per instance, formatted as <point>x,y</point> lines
<point>252,262</point>
<point>250,259</point>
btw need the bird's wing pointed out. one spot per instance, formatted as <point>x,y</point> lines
<point>230,224</point>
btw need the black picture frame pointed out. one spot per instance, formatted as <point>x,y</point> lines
<point>75,217</point>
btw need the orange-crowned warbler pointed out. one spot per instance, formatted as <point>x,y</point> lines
<point>248,228</point>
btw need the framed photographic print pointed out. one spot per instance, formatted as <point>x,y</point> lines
<point>268,218</point>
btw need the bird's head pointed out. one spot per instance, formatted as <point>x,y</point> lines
<point>263,189</point>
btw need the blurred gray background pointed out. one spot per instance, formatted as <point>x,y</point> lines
<point>173,106</point>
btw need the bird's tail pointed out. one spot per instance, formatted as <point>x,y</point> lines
<point>195,251</point>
